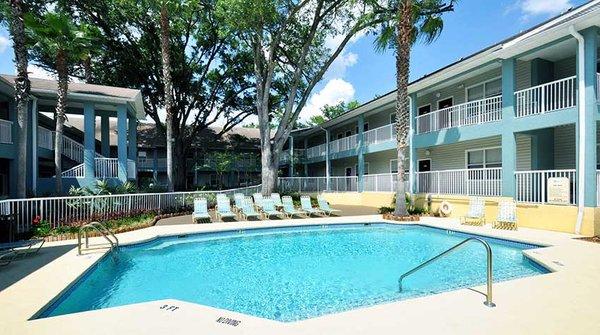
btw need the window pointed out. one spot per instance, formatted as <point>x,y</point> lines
<point>142,154</point>
<point>484,158</point>
<point>348,133</point>
<point>365,127</point>
<point>484,90</point>
<point>424,110</point>
<point>424,165</point>
<point>393,166</point>
<point>340,136</point>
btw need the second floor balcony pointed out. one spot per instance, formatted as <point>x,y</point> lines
<point>469,113</point>
<point>6,132</point>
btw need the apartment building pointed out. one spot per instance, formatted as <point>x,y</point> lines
<point>86,151</point>
<point>502,122</point>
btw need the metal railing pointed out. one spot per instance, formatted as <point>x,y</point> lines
<point>107,168</point>
<point>479,182</point>
<point>316,151</point>
<point>383,182</point>
<point>343,183</point>
<point>302,184</point>
<point>59,211</point>
<point>71,148</point>
<point>77,171</point>
<point>285,157</point>
<point>473,112</point>
<point>6,131</point>
<point>531,186</point>
<point>549,97</point>
<point>102,230</point>
<point>598,86</point>
<point>489,268</point>
<point>343,144</point>
<point>381,134</point>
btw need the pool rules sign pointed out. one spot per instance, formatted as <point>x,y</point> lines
<point>558,191</point>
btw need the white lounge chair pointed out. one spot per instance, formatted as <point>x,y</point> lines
<point>12,250</point>
<point>324,206</point>
<point>270,210</point>
<point>223,209</point>
<point>200,210</point>
<point>248,210</point>
<point>258,200</point>
<point>307,206</point>
<point>238,201</point>
<point>507,215</point>
<point>277,200</point>
<point>476,214</point>
<point>288,208</point>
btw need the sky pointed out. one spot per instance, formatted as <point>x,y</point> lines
<point>361,73</point>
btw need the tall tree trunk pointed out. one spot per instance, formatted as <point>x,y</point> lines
<point>179,168</point>
<point>269,172</point>
<point>87,69</point>
<point>61,106</point>
<point>166,65</point>
<point>404,32</point>
<point>22,86</point>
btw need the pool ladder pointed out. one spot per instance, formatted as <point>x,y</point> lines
<point>102,230</point>
<point>488,296</point>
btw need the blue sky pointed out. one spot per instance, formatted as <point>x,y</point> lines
<point>361,73</point>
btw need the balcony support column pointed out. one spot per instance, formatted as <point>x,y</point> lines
<point>590,106</point>
<point>105,136</point>
<point>155,166</point>
<point>89,141</point>
<point>360,153</point>
<point>291,156</point>
<point>413,159</point>
<point>305,164</point>
<point>132,144</point>
<point>122,141</point>
<point>509,145</point>
<point>327,163</point>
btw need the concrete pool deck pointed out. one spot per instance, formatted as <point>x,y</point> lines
<point>565,301</point>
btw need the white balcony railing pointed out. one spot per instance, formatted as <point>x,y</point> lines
<point>5,131</point>
<point>479,182</point>
<point>144,163</point>
<point>318,184</point>
<point>381,134</point>
<point>131,169</point>
<point>383,182</point>
<point>71,148</point>
<point>316,151</point>
<point>74,172</point>
<point>531,186</point>
<point>107,168</point>
<point>549,97</point>
<point>473,112</point>
<point>343,144</point>
<point>45,138</point>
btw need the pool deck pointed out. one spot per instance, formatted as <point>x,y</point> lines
<point>563,302</point>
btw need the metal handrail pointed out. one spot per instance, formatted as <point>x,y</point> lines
<point>488,297</point>
<point>102,230</point>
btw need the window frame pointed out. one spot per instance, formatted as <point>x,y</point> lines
<point>426,105</point>
<point>437,103</point>
<point>422,160</point>
<point>484,163</point>
<point>483,83</point>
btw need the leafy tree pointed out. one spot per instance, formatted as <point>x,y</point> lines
<point>287,40</point>
<point>59,41</point>
<point>11,12</point>
<point>403,23</point>
<point>331,112</point>
<point>208,71</point>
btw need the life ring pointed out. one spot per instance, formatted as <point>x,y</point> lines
<point>445,208</point>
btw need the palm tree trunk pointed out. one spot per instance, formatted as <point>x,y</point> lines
<point>61,106</point>
<point>87,69</point>
<point>166,65</point>
<point>22,86</point>
<point>404,31</point>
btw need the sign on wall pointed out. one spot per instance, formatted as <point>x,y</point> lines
<point>558,191</point>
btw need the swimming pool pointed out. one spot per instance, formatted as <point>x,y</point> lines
<point>292,273</point>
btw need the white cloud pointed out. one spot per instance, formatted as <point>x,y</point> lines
<point>4,44</point>
<point>340,65</point>
<point>543,7</point>
<point>335,91</point>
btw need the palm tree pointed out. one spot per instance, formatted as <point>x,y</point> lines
<point>57,37</point>
<point>13,13</point>
<point>404,23</point>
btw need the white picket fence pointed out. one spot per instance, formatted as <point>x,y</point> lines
<point>381,134</point>
<point>5,131</point>
<point>473,112</point>
<point>531,186</point>
<point>318,184</point>
<point>58,211</point>
<point>479,182</point>
<point>383,182</point>
<point>549,97</point>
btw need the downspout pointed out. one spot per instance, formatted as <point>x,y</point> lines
<point>326,158</point>
<point>411,167</point>
<point>581,112</point>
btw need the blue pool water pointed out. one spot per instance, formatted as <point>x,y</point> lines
<point>289,274</point>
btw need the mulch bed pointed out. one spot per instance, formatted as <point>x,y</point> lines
<point>124,229</point>
<point>404,218</point>
<point>594,239</point>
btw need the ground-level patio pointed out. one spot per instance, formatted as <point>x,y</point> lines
<point>565,301</point>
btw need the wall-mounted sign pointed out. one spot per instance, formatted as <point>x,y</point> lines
<point>558,191</point>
